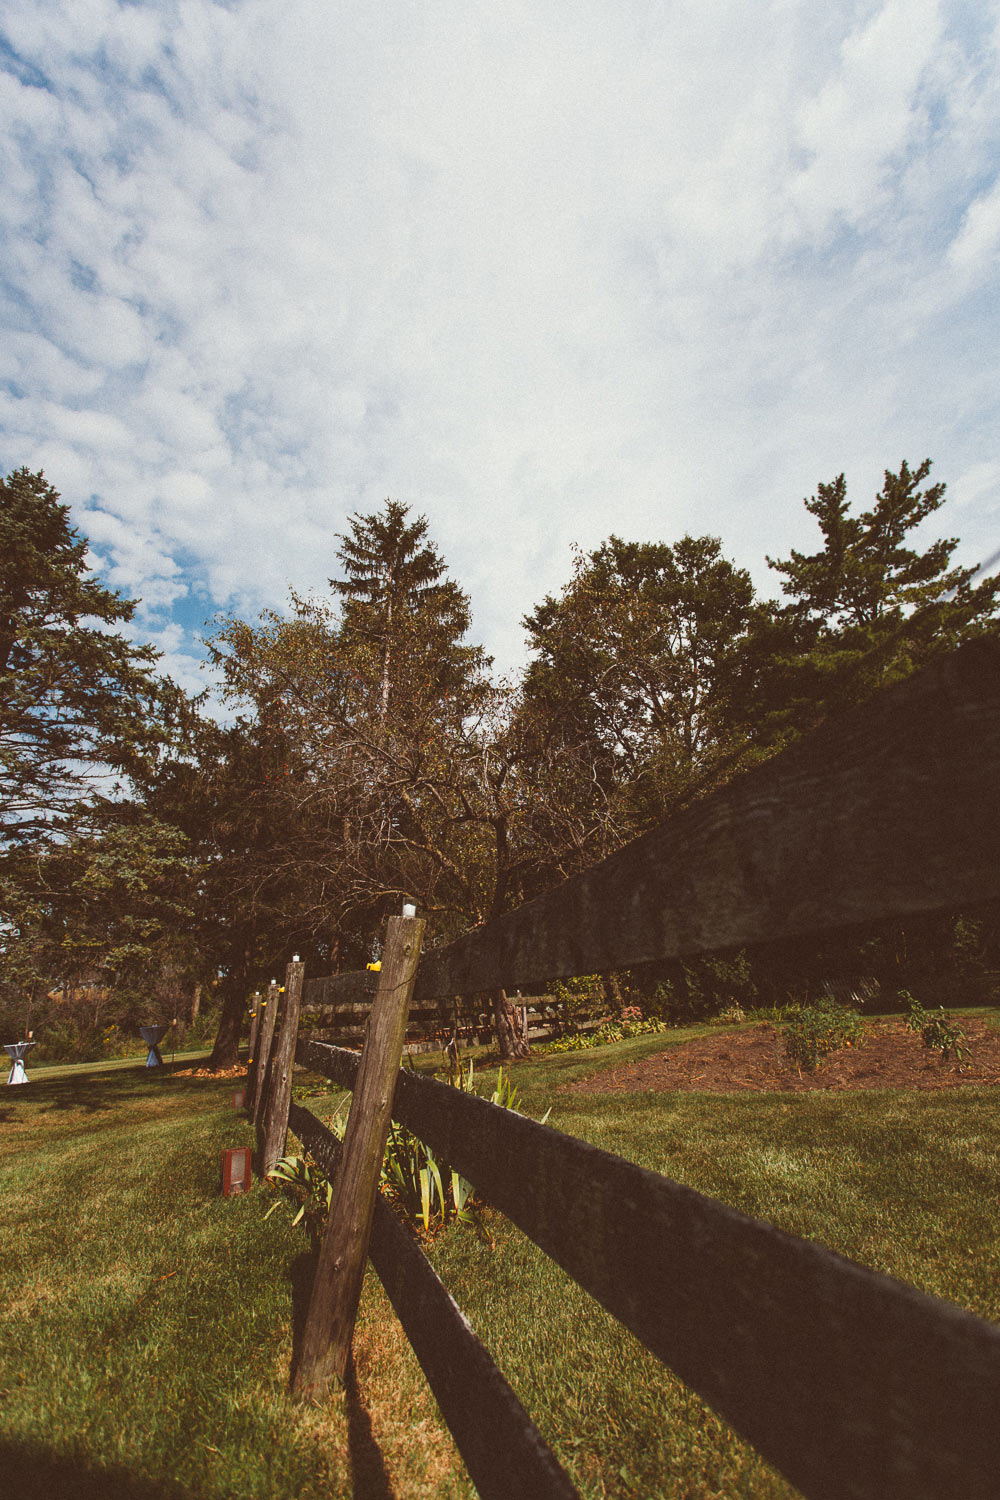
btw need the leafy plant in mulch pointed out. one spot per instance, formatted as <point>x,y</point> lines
<point>630,1023</point>
<point>936,1029</point>
<point>819,1029</point>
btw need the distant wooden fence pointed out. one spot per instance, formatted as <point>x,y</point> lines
<point>429,1026</point>
<point>849,1383</point>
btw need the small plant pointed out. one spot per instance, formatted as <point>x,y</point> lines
<point>630,1023</point>
<point>731,1016</point>
<point>820,1029</point>
<point>427,1193</point>
<point>775,1015</point>
<point>935,1029</point>
<point>305,1182</point>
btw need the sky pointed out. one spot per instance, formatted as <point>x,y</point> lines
<point>544,272</point>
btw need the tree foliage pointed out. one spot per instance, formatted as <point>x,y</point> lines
<point>868,608</point>
<point>634,660</point>
<point>77,698</point>
<point>92,887</point>
<point>401,608</point>
<point>372,757</point>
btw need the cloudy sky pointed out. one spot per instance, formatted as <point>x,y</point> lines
<point>543,271</point>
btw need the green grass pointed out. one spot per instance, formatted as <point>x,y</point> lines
<point>57,1069</point>
<point>905,1182</point>
<point>149,1324</point>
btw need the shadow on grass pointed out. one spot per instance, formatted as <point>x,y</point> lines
<point>98,1092</point>
<point>369,1476</point>
<point>34,1472</point>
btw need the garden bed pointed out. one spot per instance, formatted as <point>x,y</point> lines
<point>891,1057</point>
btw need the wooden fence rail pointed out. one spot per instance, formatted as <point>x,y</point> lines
<point>888,810</point>
<point>850,1383</point>
<point>502,1449</point>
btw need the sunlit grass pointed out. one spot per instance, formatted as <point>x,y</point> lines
<point>149,1323</point>
<point>905,1182</point>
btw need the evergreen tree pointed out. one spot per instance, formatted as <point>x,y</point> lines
<point>76,697</point>
<point>98,918</point>
<point>867,609</point>
<point>402,610</point>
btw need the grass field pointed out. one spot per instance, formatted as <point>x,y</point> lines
<point>149,1324</point>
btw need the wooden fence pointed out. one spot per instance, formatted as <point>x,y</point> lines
<point>849,1383</point>
<point>429,1026</point>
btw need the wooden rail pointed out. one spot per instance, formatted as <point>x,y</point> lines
<point>502,1449</point>
<point>888,810</point>
<point>850,1383</point>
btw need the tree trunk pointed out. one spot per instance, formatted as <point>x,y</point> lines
<point>505,1031</point>
<point>195,1005</point>
<point>386,662</point>
<point>612,993</point>
<point>225,1052</point>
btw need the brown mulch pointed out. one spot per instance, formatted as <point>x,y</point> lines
<point>890,1058</point>
<point>239,1071</point>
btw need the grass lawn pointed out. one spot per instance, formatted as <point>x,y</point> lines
<point>149,1324</point>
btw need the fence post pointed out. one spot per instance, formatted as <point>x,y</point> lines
<point>257,1072</point>
<point>273,1122</point>
<point>255,1011</point>
<point>336,1289</point>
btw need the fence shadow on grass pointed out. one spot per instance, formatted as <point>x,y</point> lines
<point>34,1472</point>
<point>369,1476</point>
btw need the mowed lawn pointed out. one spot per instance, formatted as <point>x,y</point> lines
<point>149,1324</point>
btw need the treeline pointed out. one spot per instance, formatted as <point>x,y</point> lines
<point>155,860</point>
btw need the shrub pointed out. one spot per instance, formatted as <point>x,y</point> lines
<point>731,1016</point>
<point>936,1029</point>
<point>820,1029</point>
<point>629,1024</point>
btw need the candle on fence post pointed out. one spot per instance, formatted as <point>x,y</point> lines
<point>257,1074</point>
<point>273,1126</point>
<point>337,1285</point>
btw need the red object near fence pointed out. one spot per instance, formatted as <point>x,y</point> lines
<point>236,1171</point>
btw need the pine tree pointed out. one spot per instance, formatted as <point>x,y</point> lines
<point>867,609</point>
<point>76,697</point>
<point>403,611</point>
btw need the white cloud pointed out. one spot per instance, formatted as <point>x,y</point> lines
<point>544,274</point>
<point>978,239</point>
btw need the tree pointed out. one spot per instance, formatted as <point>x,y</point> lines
<point>400,604</point>
<point>83,875</point>
<point>867,609</point>
<point>98,919</point>
<point>76,697</point>
<point>344,719</point>
<point>634,661</point>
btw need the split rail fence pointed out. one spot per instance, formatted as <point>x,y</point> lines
<point>850,1383</point>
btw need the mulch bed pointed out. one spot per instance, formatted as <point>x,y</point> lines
<point>239,1071</point>
<point>891,1058</point>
